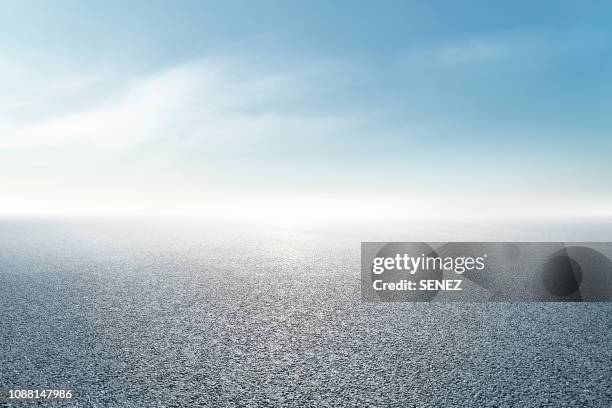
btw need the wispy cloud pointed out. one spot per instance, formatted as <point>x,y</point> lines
<point>169,133</point>
<point>515,47</point>
<point>205,102</point>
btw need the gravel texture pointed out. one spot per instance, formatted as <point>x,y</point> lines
<point>181,315</point>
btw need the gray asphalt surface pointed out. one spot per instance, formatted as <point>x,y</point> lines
<point>134,315</point>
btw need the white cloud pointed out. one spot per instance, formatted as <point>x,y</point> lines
<point>521,47</point>
<point>141,142</point>
<point>205,102</point>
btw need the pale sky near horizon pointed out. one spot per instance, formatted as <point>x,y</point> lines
<point>303,109</point>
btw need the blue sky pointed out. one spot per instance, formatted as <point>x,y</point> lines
<point>305,109</point>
